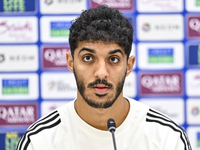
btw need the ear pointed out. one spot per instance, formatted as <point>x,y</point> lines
<point>69,61</point>
<point>130,64</point>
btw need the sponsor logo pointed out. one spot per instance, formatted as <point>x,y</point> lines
<point>18,29</point>
<point>18,114</point>
<point>192,5</point>
<point>17,58</point>
<point>193,82</point>
<point>62,6</point>
<point>22,58</point>
<point>55,29</point>
<point>161,55</point>
<point>161,83</point>
<point>19,86</point>
<point>2,58</point>
<point>5,28</point>
<point>197,3</point>
<point>160,5</point>
<point>194,55</point>
<point>195,111</point>
<point>17,6</point>
<point>15,86</point>
<point>10,140</point>
<point>60,29</point>
<point>193,26</point>
<point>123,5</point>
<point>146,27</point>
<point>63,85</point>
<point>196,82</point>
<point>55,57</point>
<point>48,2</point>
<point>198,139</point>
<point>168,27</point>
<point>193,135</point>
<point>160,27</point>
<point>60,86</point>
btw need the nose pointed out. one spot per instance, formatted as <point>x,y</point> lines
<point>101,70</point>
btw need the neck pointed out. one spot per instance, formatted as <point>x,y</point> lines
<point>98,117</point>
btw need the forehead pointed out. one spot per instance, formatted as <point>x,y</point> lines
<point>99,46</point>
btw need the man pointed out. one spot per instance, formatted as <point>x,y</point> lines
<point>100,41</point>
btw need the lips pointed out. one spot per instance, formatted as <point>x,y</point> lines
<point>100,89</point>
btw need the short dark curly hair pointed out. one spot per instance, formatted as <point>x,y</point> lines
<point>102,23</point>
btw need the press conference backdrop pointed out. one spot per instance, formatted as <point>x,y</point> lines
<point>34,78</point>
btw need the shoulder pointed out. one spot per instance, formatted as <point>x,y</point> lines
<point>165,131</point>
<point>46,130</point>
<point>159,128</point>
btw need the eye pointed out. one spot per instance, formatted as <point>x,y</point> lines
<point>87,58</point>
<point>114,60</point>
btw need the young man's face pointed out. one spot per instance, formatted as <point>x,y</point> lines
<point>100,69</point>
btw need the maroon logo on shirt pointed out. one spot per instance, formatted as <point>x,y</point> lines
<point>193,23</point>
<point>122,5</point>
<point>161,83</point>
<point>54,57</point>
<point>23,114</point>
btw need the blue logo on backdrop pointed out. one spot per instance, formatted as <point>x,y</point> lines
<point>161,55</point>
<point>198,139</point>
<point>194,55</point>
<point>60,29</point>
<point>10,140</point>
<point>15,86</point>
<point>19,6</point>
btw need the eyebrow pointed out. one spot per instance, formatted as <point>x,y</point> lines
<point>87,49</point>
<point>115,51</point>
<point>93,51</point>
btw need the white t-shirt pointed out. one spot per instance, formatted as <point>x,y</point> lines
<point>143,129</point>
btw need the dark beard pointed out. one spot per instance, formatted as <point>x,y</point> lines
<point>91,102</point>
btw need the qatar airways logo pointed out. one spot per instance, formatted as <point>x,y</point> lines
<point>195,24</point>
<point>193,27</point>
<point>5,27</point>
<point>161,84</point>
<point>18,114</point>
<point>54,57</point>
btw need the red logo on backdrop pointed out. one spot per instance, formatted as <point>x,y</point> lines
<point>122,5</point>
<point>193,26</point>
<point>160,83</point>
<point>18,114</point>
<point>54,57</point>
